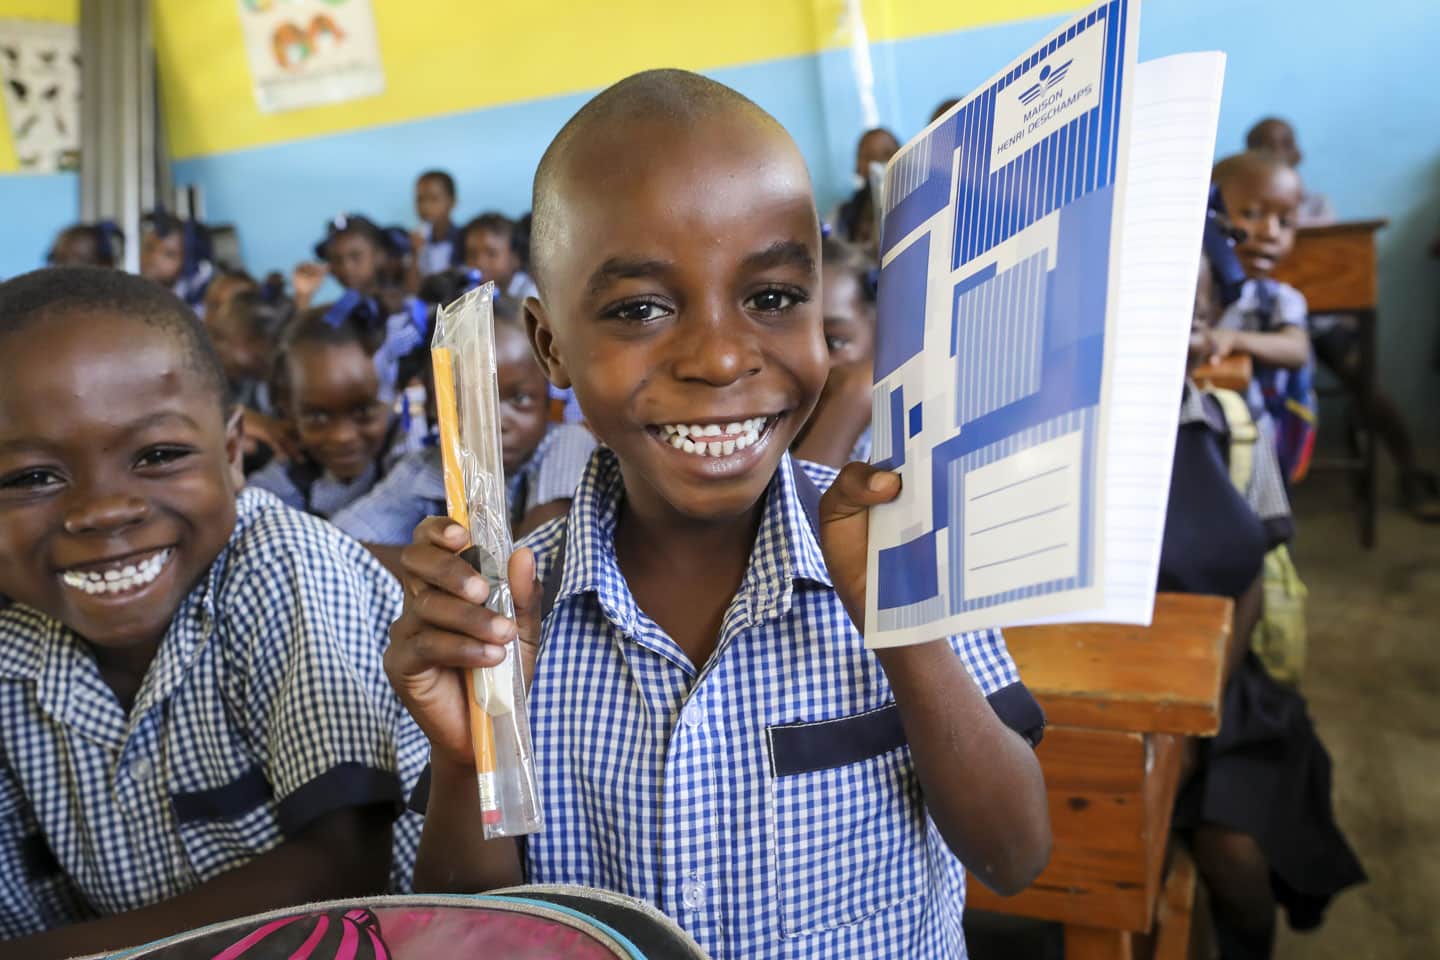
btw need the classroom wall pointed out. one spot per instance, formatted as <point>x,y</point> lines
<point>33,207</point>
<point>482,94</point>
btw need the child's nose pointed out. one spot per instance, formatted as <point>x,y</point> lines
<point>720,351</point>
<point>105,513</point>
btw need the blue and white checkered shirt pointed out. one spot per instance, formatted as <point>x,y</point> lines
<point>265,708</point>
<point>415,488</point>
<point>767,800</point>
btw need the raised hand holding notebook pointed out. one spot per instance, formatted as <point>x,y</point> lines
<point>1040,250</point>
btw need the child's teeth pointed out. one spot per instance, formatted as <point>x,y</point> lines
<point>713,430</point>
<point>729,447</point>
<point>683,430</point>
<point>678,442</point>
<point>128,577</point>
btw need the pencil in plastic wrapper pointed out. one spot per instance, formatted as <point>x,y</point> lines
<point>468,407</point>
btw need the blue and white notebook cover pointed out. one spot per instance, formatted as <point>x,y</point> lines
<point>1005,348</point>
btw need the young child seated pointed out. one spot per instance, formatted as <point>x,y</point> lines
<point>489,244</point>
<point>97,244</point>
<point>854,220</point>
<point>839,429</point>
<point>543,463</point>
<point>176,254</point>
<point>1256,809</point>
<point>246,334</point>
<point>1261,195</point>
<point>327,386</point>
<point>355,251</point>
<point>435,244</point>
<point>194,724</point>
<point>1335,340</point>
<point>710,733</point>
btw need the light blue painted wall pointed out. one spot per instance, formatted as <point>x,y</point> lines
<point>33,208</point>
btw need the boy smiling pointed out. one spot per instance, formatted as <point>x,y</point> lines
<point>710,733</point>
<point>193,720</point>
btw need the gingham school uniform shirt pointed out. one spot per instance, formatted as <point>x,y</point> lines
<point>1287,308</point>
<point>265,708</point>
<point>415,488</point>
<point>766,801</point>
<point>1265,491</point>
<point>327,495</point>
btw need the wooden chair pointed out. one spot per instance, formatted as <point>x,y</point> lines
<point>1121,701</point>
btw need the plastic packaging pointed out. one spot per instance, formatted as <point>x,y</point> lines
<point>468,408</point>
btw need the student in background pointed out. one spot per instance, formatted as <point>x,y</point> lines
<point>942,108</point>
<point>246,334</point>
<point>1335,339</point>
<point>435,242</point>
<point>98,244</point>
<point>355,251</point>
<point>1276,137</point>
<point>491,247</point>
<point>194,724</point>
<point>854,220</point>
<point>701,638</point>
<point>327,385</point>
<point>543,462</point>
<point>1260,195</point>
<point>176,254</point>
<point>224,285</point>
<point>1256,808</point>
<point>839,429</point>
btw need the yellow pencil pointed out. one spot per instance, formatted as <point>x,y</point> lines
<point>482,729</point>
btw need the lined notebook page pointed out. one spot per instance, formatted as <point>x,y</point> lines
<point>1176,108</point>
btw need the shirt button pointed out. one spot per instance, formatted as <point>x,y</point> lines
<point>692,894</point>
<point>140,769</point>
<point>693,714</point>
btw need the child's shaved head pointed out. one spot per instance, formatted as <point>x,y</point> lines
<point>661,99</point>
<point>1252,164</point>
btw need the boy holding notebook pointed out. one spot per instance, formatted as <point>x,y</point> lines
<point>710,733</point>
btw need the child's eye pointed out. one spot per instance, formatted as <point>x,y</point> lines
<point>162,456</point>
<point>638,311</point>
<point>836,344</point>
<point>776,300</point>
<point>37,478</point>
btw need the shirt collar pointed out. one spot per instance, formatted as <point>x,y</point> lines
<point>785,550</point>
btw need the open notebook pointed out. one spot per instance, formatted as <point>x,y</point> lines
<point>1040,250</point>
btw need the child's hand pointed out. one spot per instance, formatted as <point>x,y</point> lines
<point>306,280</point>
<point>845,529</point>
<point>1222,343</point>
<point>445,629</point>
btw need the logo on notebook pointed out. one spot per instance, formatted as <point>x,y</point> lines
<point>1049,77</point>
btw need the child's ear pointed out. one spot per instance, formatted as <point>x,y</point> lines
<point>542,342</point>
<point>235,445</point>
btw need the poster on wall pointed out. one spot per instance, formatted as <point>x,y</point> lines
<point>305,53</point>
<point>40,71</point>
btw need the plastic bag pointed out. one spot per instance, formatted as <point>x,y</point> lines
<point>468,408</point>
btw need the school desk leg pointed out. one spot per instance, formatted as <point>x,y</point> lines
<point>1370,493</point>
<point>1094,943</point>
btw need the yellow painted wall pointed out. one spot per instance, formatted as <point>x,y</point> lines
<point>60,11</point>
<point>450,56</point>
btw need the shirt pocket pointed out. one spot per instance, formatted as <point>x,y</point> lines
<point>848,824</point>
<point>228,825</point>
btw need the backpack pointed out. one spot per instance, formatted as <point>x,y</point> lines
<point>1279,639</point>
<point>534,923</point>
<point>1293,406</point>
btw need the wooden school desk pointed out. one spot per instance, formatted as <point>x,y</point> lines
<point>1335,267</point>
<point>1120,702</point>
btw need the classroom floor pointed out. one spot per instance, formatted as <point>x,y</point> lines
<point>1374,689</point>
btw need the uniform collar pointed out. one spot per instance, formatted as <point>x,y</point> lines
<point>785,548</point>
